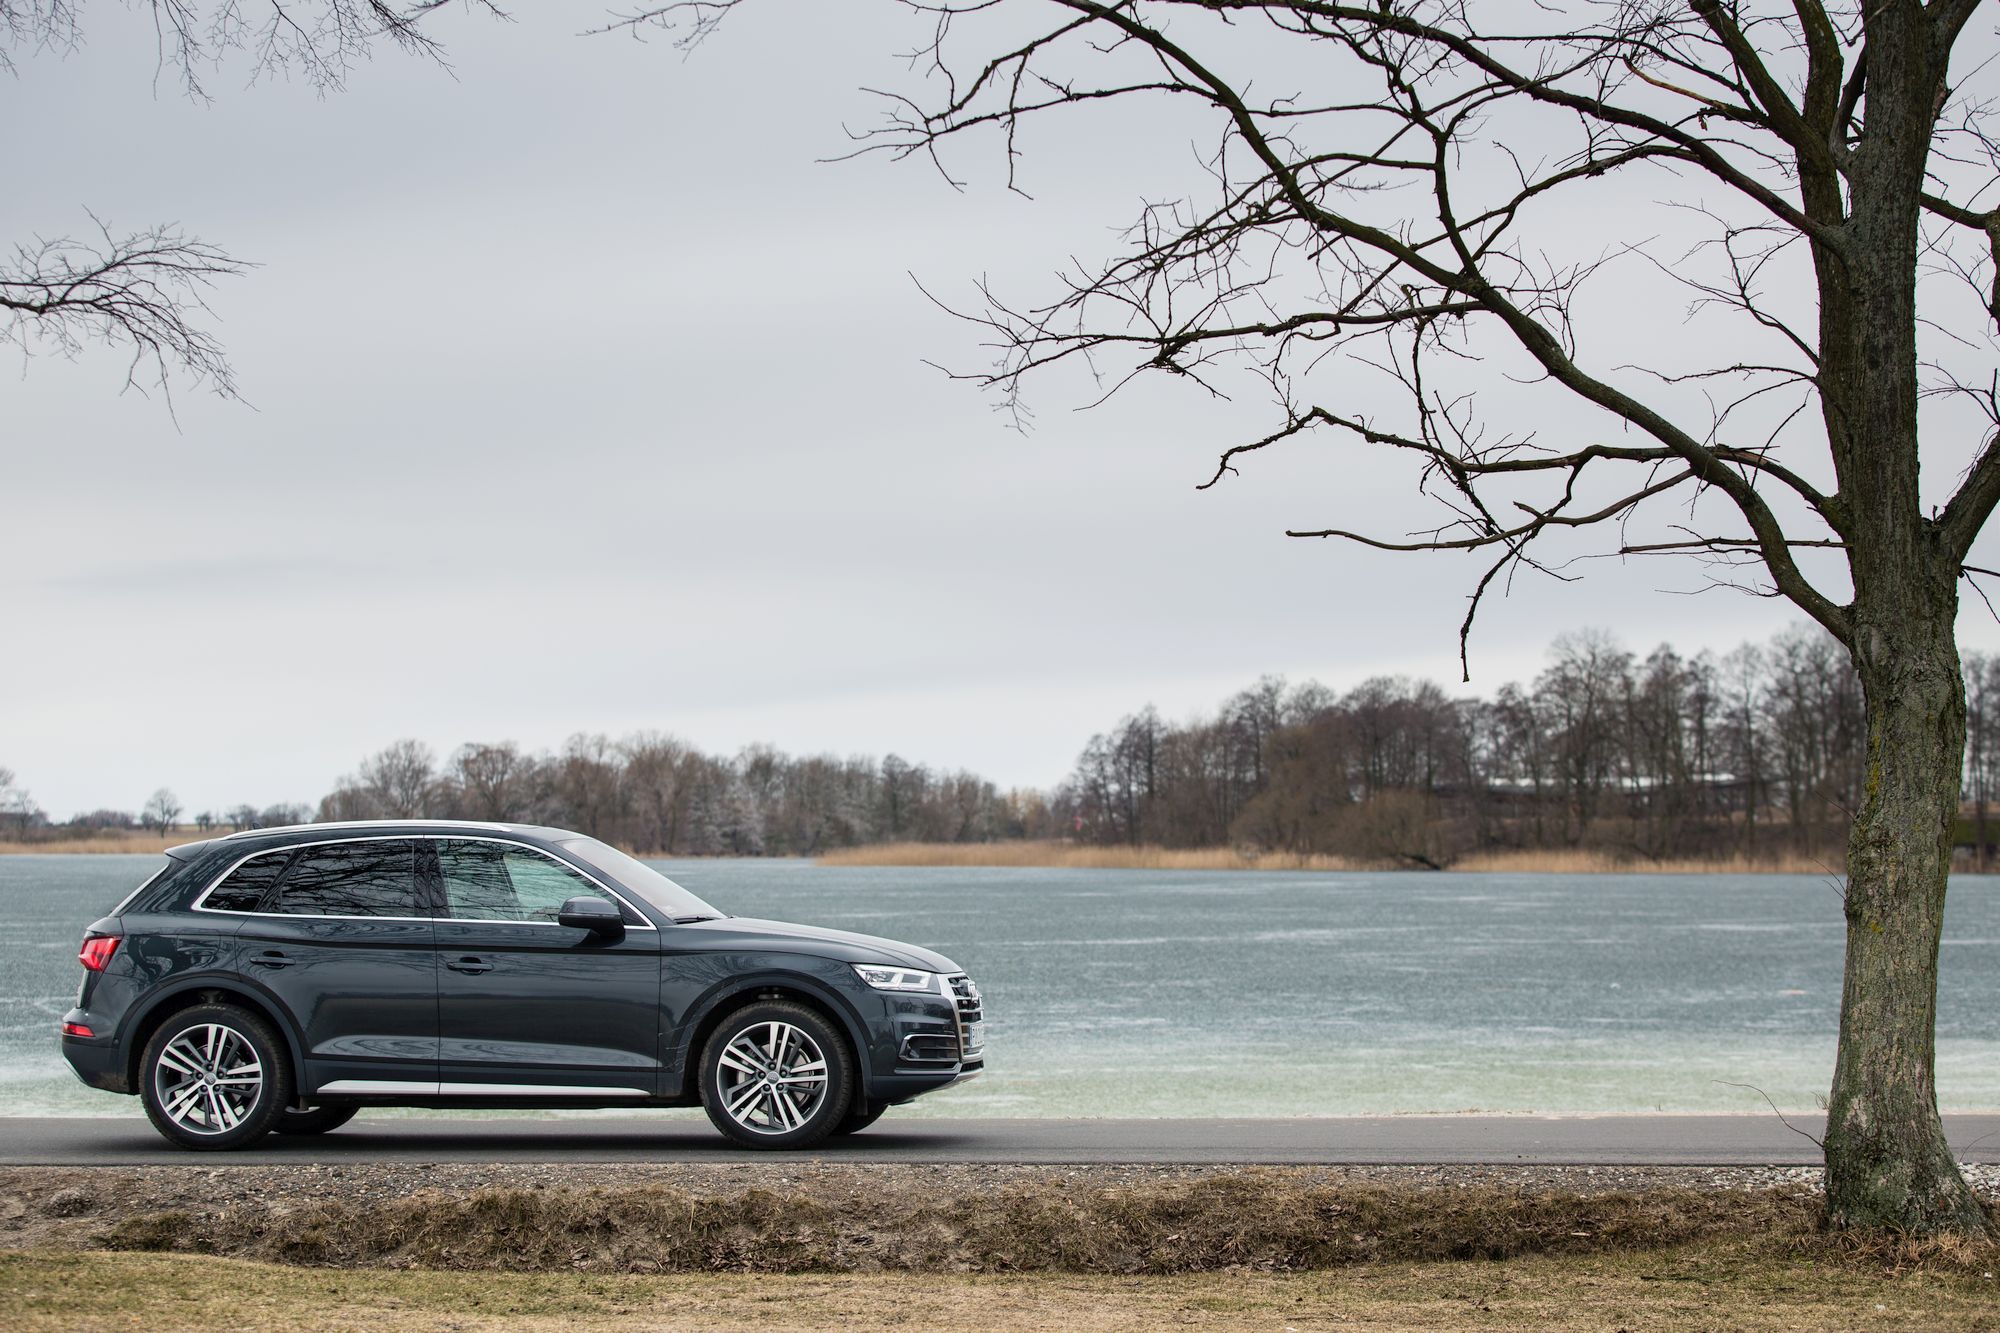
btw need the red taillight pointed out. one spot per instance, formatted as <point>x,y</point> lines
<point>77,1030</point>
<point>97,951</point>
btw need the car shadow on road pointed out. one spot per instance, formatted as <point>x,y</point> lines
<point>541,1142</point>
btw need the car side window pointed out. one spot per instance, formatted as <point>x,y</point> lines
<point>352,879</point>
<point>249,884</point>
<point>492,881</point>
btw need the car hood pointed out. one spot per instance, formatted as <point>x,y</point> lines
<point>742,932</point>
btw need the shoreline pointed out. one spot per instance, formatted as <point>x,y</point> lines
<point>1070,856</point>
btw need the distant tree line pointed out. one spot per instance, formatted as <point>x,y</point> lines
<point>654,793</point>
<point>1748,753</point>
<point>1755,752</point>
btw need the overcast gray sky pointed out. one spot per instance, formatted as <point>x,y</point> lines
<point>583,398</point>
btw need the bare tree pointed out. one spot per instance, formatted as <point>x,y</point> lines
<point>145,291</point>
<point>399,780</point>
<point>162,809</point>
<point>655,775</point>
<point>492,781</point>
<point>16,804</point>
<point>1394,190</point>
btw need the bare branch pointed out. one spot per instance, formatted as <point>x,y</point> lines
<point>143,292</point>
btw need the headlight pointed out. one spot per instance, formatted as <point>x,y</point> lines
<point>897,978</point>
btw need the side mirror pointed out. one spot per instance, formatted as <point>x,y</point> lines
<point>592,914</point>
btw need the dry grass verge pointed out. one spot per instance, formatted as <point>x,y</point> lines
<point>1071,856</point>
<point>1029,1248</point>
<point>1272,1219</point>
<point>1706,1286</point>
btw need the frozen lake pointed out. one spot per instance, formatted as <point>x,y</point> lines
<point>1176,993</point>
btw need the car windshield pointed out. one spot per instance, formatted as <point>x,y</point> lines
<point>631,873</point>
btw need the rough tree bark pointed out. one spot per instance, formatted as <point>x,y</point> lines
<point>1887,1160</point>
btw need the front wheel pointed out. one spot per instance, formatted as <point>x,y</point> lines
<point>776,1075</point>
<point>214,1077</point>
<point>315,1120</point>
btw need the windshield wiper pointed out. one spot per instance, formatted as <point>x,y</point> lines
<point>691,920</point>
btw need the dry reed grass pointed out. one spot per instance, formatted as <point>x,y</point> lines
<point>1072,856</point>
<point>100,844</point>
<point>1582,862</point>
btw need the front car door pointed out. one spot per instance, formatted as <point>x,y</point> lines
<point>527,1007</point>
<point>341,934</point>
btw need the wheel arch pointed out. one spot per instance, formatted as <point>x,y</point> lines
<point>188,993</point>
<point>707,1016</point>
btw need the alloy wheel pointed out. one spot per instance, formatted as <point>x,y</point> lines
<point>772,1077</point>
<point>207,1079</point>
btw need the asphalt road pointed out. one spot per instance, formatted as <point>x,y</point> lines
<point>1624,1140</point>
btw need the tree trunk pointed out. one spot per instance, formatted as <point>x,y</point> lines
<point>1887,1161</point>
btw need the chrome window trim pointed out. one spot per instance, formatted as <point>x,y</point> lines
<point>234,866</point>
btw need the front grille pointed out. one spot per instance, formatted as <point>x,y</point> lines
<point>970,1011</point>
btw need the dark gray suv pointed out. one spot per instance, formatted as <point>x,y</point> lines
<point>281,979</point>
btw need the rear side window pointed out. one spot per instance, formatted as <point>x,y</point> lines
<point>249,884</point>
<point>352,879</point>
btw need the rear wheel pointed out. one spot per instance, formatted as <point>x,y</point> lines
<point>316,1120</point>
<point>776,1075</point>
<point>214,1077</point>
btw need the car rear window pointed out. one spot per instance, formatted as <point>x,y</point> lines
<point>249,884</point>
<point>375,878</point>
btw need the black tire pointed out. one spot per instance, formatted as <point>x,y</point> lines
<point>860,1116</point>
<point>184,1097</point>
<point>317,1120</point>
<point>792,1112</point>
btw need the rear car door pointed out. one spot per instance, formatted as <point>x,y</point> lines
<point>341,934</point>
<point>527,1007</point>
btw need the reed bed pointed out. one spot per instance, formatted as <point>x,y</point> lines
<point>1072,856</point>
<point>104,843</point>
<point>1577,861</point>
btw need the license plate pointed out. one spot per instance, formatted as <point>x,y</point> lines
<point>975,1038</point>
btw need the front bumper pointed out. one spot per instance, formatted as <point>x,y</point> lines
<point>926,1042</point>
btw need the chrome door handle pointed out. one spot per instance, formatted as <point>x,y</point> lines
<point>468,965</point>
